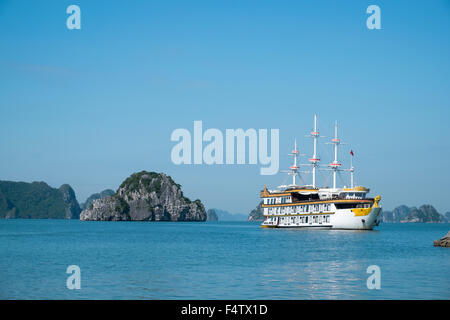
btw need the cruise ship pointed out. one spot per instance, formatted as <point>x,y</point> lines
<point>310,206</point>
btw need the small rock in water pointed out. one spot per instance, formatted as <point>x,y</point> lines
<point>443,242</point>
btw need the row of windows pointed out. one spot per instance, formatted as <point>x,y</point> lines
<point>309,208</point>
<point>277,200</point>
<point>298,220</point>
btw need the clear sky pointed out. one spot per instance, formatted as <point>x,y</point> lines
<point>89,107</point>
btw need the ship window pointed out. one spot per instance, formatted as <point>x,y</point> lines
<point>345,205</point>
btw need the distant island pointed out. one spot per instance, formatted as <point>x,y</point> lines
<point>37,200</point>
<point>95,196</point>
<point>211,215</point>
<point>146,196</point>
<point>223,215</point>
<point>425,213</point>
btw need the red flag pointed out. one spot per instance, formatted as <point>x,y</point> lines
<point>351,152</point>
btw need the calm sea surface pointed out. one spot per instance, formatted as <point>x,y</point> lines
<point>225,260</point>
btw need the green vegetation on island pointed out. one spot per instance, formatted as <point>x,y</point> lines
<point>37,200</point>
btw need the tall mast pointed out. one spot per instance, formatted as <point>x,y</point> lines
<point>352,170</point>
<point>335,164</point>
<point>294,168</point>
<point>315,159</point>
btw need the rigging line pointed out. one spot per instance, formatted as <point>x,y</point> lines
<point>342,179</point>
<point>285,179</point>
<point>328,177</point>
<point>301,179</point>
<point>325,174</point>
<point>319,177</point>
<point>328,155</point>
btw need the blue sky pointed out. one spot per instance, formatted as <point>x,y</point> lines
<point>89,107</point>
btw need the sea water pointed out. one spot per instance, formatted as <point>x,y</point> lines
<point>219,260</point>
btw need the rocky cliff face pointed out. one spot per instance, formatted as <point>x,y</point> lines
<point>72,207</point>
<point>110,208</point>
<point>95,196</point>
<point>146,196</point>
<point>443,242</point>
<point>256,214</point>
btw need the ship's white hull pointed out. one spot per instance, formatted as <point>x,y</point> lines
<point>340,219</point>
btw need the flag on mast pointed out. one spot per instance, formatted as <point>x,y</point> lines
<point>351,152</point>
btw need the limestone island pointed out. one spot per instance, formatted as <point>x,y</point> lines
<point>146,196</point>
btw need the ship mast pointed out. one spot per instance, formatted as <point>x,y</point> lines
<point>352,170</point>
<point>294,167</point>
<point>335,164</point>
<point>315,159</point>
